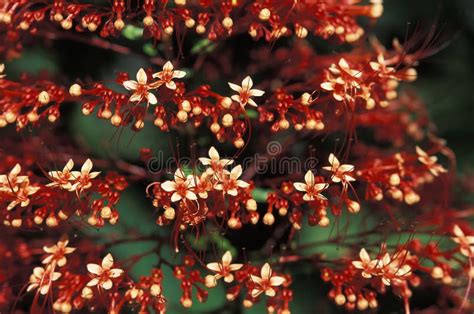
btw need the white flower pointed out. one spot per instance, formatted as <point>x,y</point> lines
<point>57,252</point>
<point>214,162</point>
<point>229,181</point>
<point>245,92</point>
<point>140,88</point>
<point>104,273</point>
<point>225,267</point>
<point>313,190</point>
<point>82,178</point>
<point>430,162</point>
<point>181,186</point>
<point>341,173</point>
<point>466,243</point>
<point>42,279</point>
<point>62,178</point>
<point>168,74</point>
<point>266,282</point>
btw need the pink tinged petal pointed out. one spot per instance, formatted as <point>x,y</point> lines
<point>141,77</point>
<point>229,278</point>
<point>176,197</point>
<point>225,162</point>
<point>50,249</point>
<point>256,92</point>
<point>107,261</point>
<point>135,98</point>
<point>300,186</point>
<point>338,97</point>
<point>214,267</point>
<point>386,281</point>
<point>106,285</point>
<point>358,264</point>
<point>309,178</point>
<point>179,74</point>
<point>320,186</point>
<point>171,85</point>
<point>130,85</point>
<point>168,186</point>
<point>251,102</point>
<point>94,269</point>
<point>93,282</point>
<point>276,281</point>
<point>270,292</point>
<point>168,67</point>
<point>115,272</point>
<point>235,87</point>
<point>152,99</point>
<point>327,86</point>
<point>366,274</point>
<point>179,175</point>
<point>218,186</point>
<point>364,256</point>
<point>308,197</point>
<point>266,271</point>
<point>256,292</point>
<point>31,287</point>
<point>86,167</point>
<point>191,196</point>
<point>247,83</point>
<point>226,258</point>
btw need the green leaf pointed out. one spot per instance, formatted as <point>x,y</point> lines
<point>132,32</point>
<point>150,50</point>
<point>260,195</point>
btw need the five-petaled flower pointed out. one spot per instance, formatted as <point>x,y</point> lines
<point>466,243</point>
<point>342,80</point>
<point>224,268</point>
<point>57,252</point>
<point>62,178</point>
<point>181,186</point>
<point>245,92</point>
<point>82,179</point>
<point>168,74</point>
<point>17,187</point>
<point>42,279</point>
<point>341,173</point>
<point>312,190</point>
<point>104,273</point>
<point>366,264</point>
<point>229,181</point>
<point>141,88</point>
<point>266,282</point>
<point>430,162</point>
<point>215,163</point>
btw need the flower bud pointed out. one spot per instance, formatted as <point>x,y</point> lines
<point>264,14</point>
<point>268,219</point>
<point>43,97</point>
<point>75,90</point>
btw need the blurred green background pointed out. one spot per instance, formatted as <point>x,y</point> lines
<point>446,82</point>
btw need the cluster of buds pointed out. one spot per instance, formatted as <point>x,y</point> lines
<point>28,200</point>
<point>269,20</point>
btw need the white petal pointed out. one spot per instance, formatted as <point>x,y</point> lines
<point>141,77</point>
<point>106,285</point>
<point>236,172</point>
<point>235,87</point>
<point>168,186</point>
<point>266,271</point>
<point>252,103</point>
<point>107,261</point>
<point>130,85</point>
<point>213,153</point>
<point>300,186</point>
<point>179,74</point>
<point>152,99</point>
<point>94,269</point>
<point>247,83</point>
<point>175,197</point>
<point>227,258</point>
<point>256,92</point>
<point>171,85</point>
<point>309,178</point>
<point>86,167</point>
<point>168,66</point>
